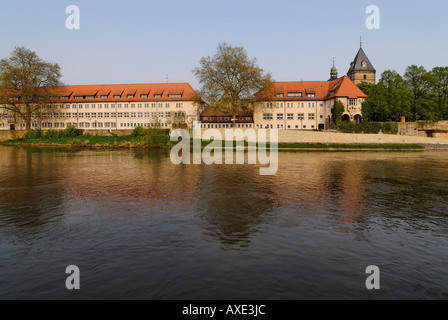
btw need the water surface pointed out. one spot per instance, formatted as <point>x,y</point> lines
<point>139,227</point>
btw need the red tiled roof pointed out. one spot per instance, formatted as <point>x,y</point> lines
<point>322,90</point>
<point>137,90</point>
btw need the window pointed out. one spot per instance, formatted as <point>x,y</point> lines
<point>140,105</point>
<point>94,115</point>
<point>311,116</point>
<point>294,94</point>
<point>301,116</point>
<point>130,96</point>
<point>157,96</point>
<point>267,116</point>
<point>290,116</point>
<point>153,105</point>
<point>160,114</point>
<point>133,115</point>
<point>279,116</point>
<point>167,114</point>
<point>279,95</point>
<point>104,97</point>
<point>179,105</point>
<point>167,105</point>
<point>174,96</point>
<point>126,114</point>
<point>133,105</point>
<point>310,95</point>
<point>143,96</point>
<point>117,96</point>
<point>352,102</point>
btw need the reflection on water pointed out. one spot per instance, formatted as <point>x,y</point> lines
<point>138,226</point>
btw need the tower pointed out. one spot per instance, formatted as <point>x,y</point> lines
<point>361,69</point>
<point>333,72</point>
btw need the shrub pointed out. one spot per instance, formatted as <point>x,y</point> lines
<point>53,134</point>
<point>72,132</point>
<point>33,134</point>
<point>138,132</point>
<point>389,128</point>
<point>348,127</point>
<point>371,127</point>
<point>157,137</point>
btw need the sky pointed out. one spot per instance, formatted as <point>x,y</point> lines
<point>134,41</point>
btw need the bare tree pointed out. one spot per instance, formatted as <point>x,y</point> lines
<point>27,84</point>
<point>230,80</point>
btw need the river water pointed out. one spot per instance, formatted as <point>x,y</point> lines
<point>140,227</point>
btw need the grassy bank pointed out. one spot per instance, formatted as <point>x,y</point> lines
<point>159,138</point>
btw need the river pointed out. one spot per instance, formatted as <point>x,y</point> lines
<point>139,227</point>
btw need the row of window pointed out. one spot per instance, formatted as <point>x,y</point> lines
<point>289,116</point>
<point>224,125</point>
<point>100,115</point>
<point>87,125</point>
<point>296,95</point>
<point>281,126</point>
<point>291,105</point>
<point>160,105</point>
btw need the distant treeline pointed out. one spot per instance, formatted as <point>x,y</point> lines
<point>417,95</point>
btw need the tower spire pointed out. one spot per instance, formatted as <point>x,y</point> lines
<point>360,41</point>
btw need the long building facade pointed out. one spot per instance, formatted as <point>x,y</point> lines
<point>112,107</point>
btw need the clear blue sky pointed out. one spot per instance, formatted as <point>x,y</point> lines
<point>140,41</point>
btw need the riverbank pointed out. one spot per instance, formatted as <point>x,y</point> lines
<point>129,142</point>
<point>289,140</point>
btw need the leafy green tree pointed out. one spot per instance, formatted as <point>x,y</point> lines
<point>336,112</point>
<point>389,100</point>
<point>26,83</point>
<point>439,90</point>
<point>418,80</point>
<point>230,81</point>
<point>366,87</point>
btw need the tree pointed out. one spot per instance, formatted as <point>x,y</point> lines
<point>230,80</point>
<point>389,100</point>
<point>439,90</point>
<point>27,84</point>
<point>418,80</point>
<point>337,111</point>
<point>366,87</point>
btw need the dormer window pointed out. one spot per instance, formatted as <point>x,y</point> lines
<point>130,96</point>
<point>295,95</point>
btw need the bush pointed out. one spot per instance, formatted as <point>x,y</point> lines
<point>72,132</point>
<point>33,134</point>
<point>389,128</point>
<point>348,127</point>
<point>157,137</point>
<point>371,127</point>
<point>53,134</point>
<point>365,127</point>
<point>138,132</point>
